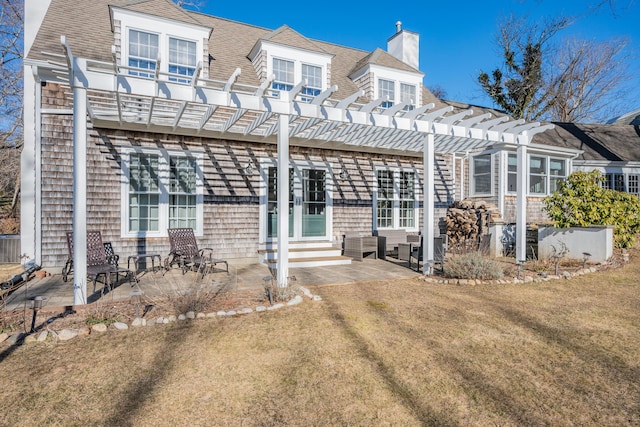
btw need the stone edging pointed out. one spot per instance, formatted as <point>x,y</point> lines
<point>67,334</point>
<point>515,280</point>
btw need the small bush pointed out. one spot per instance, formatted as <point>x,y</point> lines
<point>102,313</point>
<point>473,265</point>
<point>581,201</point>
<point>198,298</point>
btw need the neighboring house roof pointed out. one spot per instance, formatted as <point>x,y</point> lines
<point>614,143</point>
<point>630,118</point>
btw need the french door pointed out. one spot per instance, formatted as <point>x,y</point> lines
<point>308,209</point>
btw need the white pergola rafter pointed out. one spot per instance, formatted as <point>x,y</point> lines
<point>208,107</point>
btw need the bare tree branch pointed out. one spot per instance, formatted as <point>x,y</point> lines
<point>577,81</point>
<point>588,80</point>
<point>11,90</point>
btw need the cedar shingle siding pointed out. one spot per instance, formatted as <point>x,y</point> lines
<point>231,199</point>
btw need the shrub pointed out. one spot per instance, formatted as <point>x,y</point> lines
<point>581,201</point>
<point>473,265</point>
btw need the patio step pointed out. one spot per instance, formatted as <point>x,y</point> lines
<point>304,254</point>
<point>311,262</point>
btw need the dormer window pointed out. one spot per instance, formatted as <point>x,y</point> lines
<point>150,46</point>
<point>408,93</point>
<point>386,90</point>
<point>143,53</point>
<point>313,75</point>
<point>286,76</point>
<point>283,72</point>
<point>182,59</point>
<point>291,59</point>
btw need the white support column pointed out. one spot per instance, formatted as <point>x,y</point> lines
<point>521,208</point>
<point>283,200</point>
<point>79,195</point>
<point>429,197</point>
<point>28,207</point>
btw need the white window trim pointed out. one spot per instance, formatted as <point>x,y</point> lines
<point>396,198</point>
<point>163,174</point>
<point>472,175</point>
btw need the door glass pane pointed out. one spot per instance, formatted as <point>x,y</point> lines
<point>314,222</point>
<point>272,202</point>
<point>384,212</point>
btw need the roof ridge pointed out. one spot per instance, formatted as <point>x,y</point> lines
<point>128,3</point>
<point>284,27</point>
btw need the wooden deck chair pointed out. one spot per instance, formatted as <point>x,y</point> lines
<point>185,253</point>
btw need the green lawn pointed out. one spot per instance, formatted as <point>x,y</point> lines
<point>404,353</point>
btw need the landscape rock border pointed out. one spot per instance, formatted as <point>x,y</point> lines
<point>527,279</point>
<point>67,334</point>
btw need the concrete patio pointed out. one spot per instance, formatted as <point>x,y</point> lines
<point>241,277</point>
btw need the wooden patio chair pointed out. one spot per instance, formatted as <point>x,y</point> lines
<point>185,253</point>
<point>101,261</point>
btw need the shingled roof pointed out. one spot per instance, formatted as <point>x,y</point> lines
<point>630,118</point>
<point>288,36</point>
<point>91,36</point>
<point>381,57</point>
<point>614,143</point>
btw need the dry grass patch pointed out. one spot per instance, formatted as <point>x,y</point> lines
<point>394,353</point>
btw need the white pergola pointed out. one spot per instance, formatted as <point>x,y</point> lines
<point>113,98</point>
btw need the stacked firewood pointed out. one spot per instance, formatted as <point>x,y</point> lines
<point>466,220</point>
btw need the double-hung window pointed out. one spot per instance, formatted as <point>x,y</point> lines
<point>512,173</point>
<point>545,174</point>
<point>182,192</point>
<point>384,208</point>
<point>182,59</point>
<point>407,199</point>
<point>408,93</point>
<point>313,75</point>
<point>283,71</point>
<point>143,53</point>
<point>144,193</point>
<point>537,175</point>
<point>614,181</point>
<point>481,169</point>
<point>162,191</point>
<point>387,90</point>
<point>396,202</point>
<point>633,186</point>
<point>557,173</point>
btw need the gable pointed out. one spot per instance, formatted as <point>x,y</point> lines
<point>287,36</point>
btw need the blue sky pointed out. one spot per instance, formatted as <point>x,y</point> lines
<point>457,39</point>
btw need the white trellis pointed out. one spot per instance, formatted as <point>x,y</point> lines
<point>114,99</point>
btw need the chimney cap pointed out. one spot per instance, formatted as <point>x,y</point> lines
<point>398,26</point>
